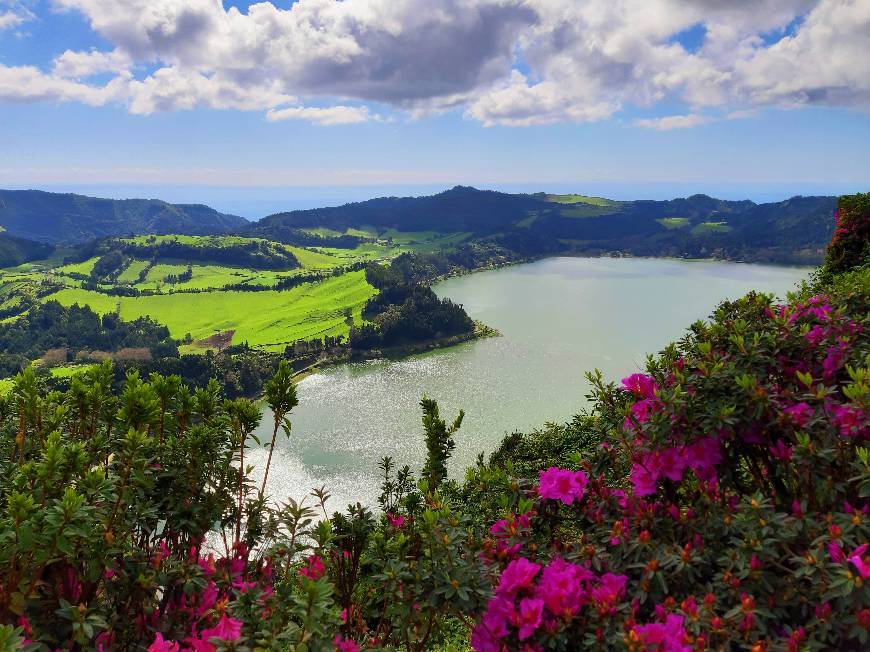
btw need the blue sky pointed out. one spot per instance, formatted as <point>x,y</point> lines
<point>252,128</point>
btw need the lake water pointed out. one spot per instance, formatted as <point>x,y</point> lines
<point>559,318</point>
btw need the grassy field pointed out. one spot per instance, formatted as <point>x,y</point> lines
<point>132,271</point>
<point>671,223</point>
<point>268,319</point>
<point>85,267</point>
<point>710,227</point>
<point>581,199</point>
<point>70,370</point>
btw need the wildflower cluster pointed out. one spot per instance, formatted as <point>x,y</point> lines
<point>726,506</point>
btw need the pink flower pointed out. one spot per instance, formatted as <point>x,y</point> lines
<point>644,480</point>
<point>530,614</point>
<point>227,629</point>
<point>781,451</point>
<point>672,463</point>
<point>800,413</point>
<point>395,520</point>
<point>835,552</point>
<point>860,562</point>
<point>850,420</point>
<point>499,613</point>
<point>833,360</point>
<point>315,568</point>
<point>161,645</point>
<point>345,644</point>
<point>517,575</point>
<point>562,484</point>
<point>669,636</point>
<point>207,599</point>
<point>561,588</point>
<point>609,590</point>
<point>207,565</point>
<point>640,385</point>
<point>703,456</point>
<point>482,640</point>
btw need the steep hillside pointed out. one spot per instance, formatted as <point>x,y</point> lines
<point>70,219</point>
<point>14,251</point>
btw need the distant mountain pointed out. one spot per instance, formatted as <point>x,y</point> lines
<point>796,230</point>
<point>14,251</point>
<point>72,219</point>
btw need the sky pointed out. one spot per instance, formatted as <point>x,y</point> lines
<point>260,107</point>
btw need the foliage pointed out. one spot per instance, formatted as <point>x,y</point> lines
<point>129,520</point>
<point>251,253</point>
<point>850,245</point>
<point>726,507</point>
<point>77,328</point>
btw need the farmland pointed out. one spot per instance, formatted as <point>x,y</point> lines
<point>269,319</point>
<point>198,299</point>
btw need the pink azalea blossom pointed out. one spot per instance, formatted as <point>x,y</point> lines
<point>561,587</point>
<point>517,575</point>
<point>672,464</point>
<point>345,644</point>
<point>162,645</point>
<point>669,636</point>
<point>227,629</point>
<point>609,590</point>
<point>499,613</point>
<point>835,552</point>
<point>314,569</point>
<point>207,599</point>
<point>640,385</point>
<point>800,413</point>
<point>859,561</point>
<point>562,484</point>
<point>531,611</point>
<point>851,421</point>
<point>396,521</point>
<point>781,451</point>
<point>644,480</point>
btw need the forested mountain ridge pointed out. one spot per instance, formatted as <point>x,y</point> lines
<point>794,230</point>
<point>72,219</point>
<point>528,225</point>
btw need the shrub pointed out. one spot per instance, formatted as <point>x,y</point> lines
<point>741,519</point>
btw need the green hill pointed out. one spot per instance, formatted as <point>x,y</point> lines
<point>795,230</point>
<point>14,251</point>
<point>70,219</point>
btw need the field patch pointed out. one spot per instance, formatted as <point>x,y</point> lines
<point>269,319</point>
<point>580,199</point>
<point>710,227</point>
<point>672,223</point>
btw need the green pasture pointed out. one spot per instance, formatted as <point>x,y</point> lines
<point>132,271</point>
<point>580,199</point>
<point>671,223</point>
<point>710,227</point>
<point>85,267</point>
<point>269,319</point>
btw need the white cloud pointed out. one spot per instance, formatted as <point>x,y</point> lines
<point>671,122</point>
<point>29,84</point>
<point>329,116</point>
<point>81,65</point>
<point>504,62</point>
<point>13,14</point>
